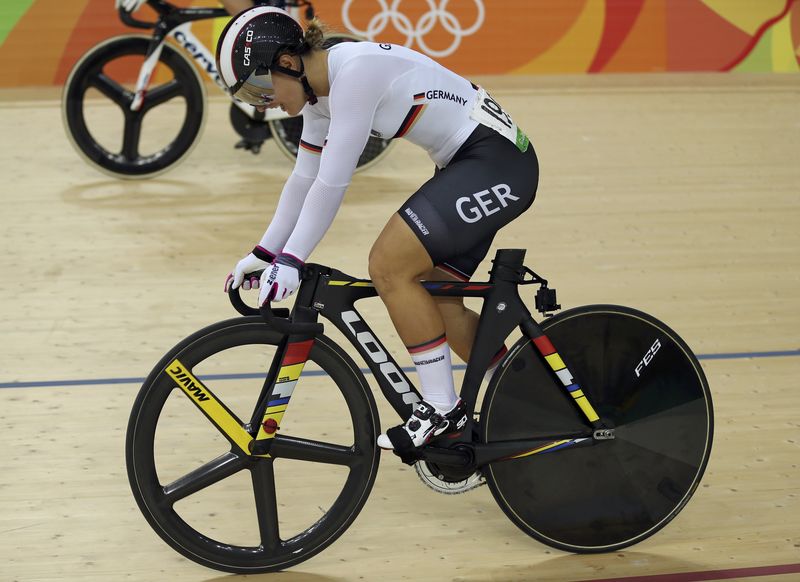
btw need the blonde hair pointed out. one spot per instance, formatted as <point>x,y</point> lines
<point>314,38</point>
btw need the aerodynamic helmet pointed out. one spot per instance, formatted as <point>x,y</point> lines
<point>248,50</point>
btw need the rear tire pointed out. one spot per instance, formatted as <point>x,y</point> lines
<point>615,493</point>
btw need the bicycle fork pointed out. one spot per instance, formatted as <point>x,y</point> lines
<point>149,65</point>
<point>291,366</point>
<point>285,372</point>
<point>182,34</point>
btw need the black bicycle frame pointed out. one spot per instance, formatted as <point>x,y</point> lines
<point>333,294</point>
<point>502,311</point>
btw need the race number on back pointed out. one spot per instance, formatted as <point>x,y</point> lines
<point>488,112</point>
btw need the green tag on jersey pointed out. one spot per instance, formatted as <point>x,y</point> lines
<point>522,141</point>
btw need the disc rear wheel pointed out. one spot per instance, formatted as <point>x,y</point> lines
<point>644,382</point>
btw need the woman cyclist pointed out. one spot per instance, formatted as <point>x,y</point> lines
<point>486,175</point>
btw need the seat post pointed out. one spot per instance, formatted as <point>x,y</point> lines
<point>507,265</point>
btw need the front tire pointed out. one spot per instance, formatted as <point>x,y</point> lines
<point>136,150</point>
<point>234,512</point>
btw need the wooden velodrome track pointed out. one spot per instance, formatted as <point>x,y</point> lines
<point>678,195</point>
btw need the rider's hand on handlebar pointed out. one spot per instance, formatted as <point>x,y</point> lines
<point>281,280</point>
<point>258,260</point>
<point>129,5</point>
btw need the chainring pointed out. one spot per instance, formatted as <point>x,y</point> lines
<point>436,478</point>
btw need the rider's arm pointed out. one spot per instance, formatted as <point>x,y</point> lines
<point>315,128</point>
<point>354,97</point>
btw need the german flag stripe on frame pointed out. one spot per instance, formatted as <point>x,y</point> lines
<point>297,353</point>
<point>544,346</point>
<point>555,362</point>
<point>290,373</point>
<point>419,96</point>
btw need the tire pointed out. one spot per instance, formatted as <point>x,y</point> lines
<point>287,131</point>
<point>123,158</point>
<point>615,493</point>
<point>167,440</point>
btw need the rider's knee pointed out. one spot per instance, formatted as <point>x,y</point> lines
<point>380,271</point>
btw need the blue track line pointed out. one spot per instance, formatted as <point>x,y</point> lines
<point>106,381</point>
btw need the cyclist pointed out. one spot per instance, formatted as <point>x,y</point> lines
<point>486,175</point>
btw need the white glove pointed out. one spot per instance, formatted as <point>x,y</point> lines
<point>129,5</point>
<point>281,280</point>
<point>258,260</point>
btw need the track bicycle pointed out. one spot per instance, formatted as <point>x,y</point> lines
<point>592,434</point>
<point>167,76</point>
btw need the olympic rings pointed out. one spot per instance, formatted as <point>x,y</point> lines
<point>437,13</point>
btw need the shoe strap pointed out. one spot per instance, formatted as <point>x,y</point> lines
<point>403,446</point>
<point>423,411</point>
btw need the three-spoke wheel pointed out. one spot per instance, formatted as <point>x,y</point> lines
<point>96,109</point>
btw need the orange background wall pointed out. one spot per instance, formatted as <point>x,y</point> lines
<point>42,39</point>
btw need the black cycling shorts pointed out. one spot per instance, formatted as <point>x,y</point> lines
<point>457,213</point>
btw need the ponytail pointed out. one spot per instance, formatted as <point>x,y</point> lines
<point>314,38</point>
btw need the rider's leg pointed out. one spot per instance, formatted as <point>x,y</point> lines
<point>456,213</point>
<point>397,262</point>
<point>460,322</point>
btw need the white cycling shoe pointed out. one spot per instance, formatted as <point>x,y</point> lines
<point>425,424</point>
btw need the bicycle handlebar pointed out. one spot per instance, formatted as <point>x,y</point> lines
<point>128,19</point>
<point>286,326</point>
<point>239,305</point>
<point>275,318</point>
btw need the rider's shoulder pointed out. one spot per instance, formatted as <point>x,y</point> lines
<point>366,58</point>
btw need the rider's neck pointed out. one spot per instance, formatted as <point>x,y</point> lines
<point>316,67</point>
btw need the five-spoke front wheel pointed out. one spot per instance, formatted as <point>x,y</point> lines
<point>223,508</point>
